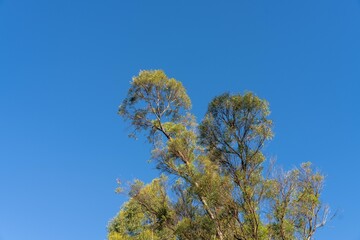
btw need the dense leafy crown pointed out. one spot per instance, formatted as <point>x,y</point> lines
<point>221,191</point>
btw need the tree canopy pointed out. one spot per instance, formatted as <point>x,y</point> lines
<point>225,188</point>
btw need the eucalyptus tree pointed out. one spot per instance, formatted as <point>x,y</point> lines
<point>222,190</point>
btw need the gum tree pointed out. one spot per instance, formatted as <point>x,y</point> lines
<point>222,190</point>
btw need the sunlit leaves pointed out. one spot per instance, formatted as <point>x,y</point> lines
<point>217,188</point>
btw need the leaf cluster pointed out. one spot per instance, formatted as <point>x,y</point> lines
<point>221,189</point>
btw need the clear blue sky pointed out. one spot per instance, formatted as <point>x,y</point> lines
<point>66,65</point>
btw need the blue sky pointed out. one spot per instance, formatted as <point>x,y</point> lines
<point>65,66</point>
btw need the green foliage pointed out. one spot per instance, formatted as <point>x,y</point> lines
<point>147,215</point>
<point>221,190</point>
